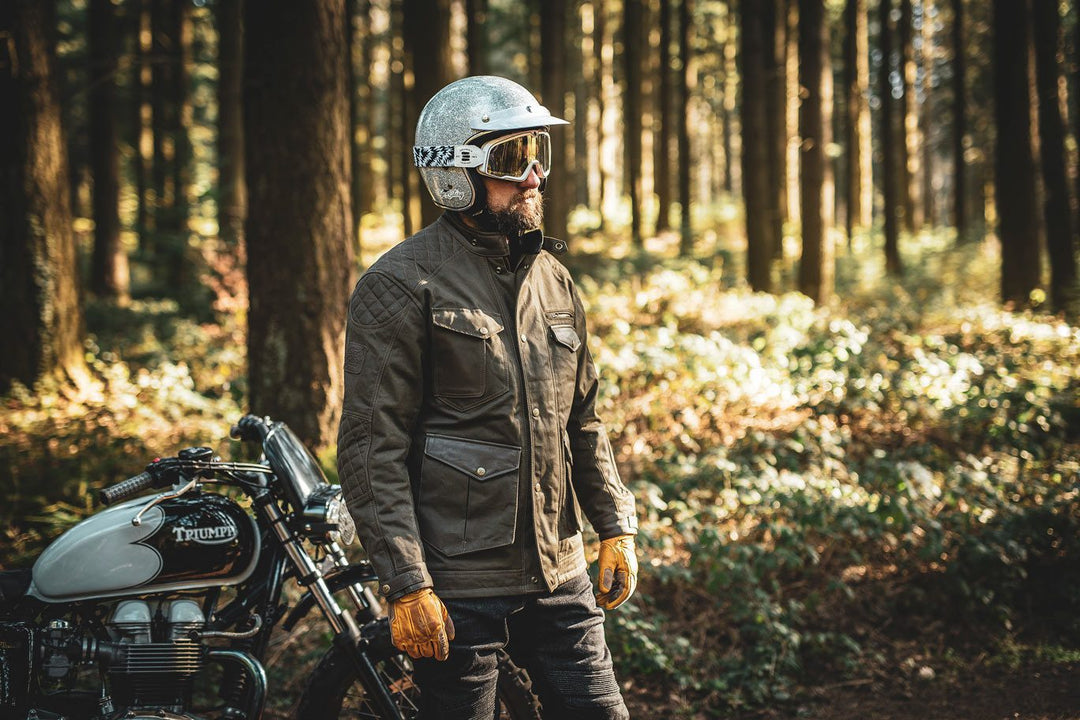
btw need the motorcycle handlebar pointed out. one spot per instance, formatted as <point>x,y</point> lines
<point>250,429</point>
<point>128,488</point>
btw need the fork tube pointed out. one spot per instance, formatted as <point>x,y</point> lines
<point>360,594</point>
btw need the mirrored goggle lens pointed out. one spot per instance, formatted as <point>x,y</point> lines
<point>512,157</point>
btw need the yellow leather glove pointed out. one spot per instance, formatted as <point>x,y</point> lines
<point>420,625</point>
<point>617,578</point>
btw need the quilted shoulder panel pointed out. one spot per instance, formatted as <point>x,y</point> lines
<point>376,300</point>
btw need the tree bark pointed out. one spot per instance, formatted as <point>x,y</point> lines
<point>476,36</point>
<point>427,47</point>
<point>890,172</point>
<point>1049,59</point>
<point>42,322</point>
<point>756,176</point>
<point>1015,165</point>
<point>686,240</point>
<point>232,208</point>
<point>908,145</point>
<point>560,188</point>
<point>960,185</point>
<point>662,142</point>
<point>776,120</point>
<point>632,42</point>
<point>857,126</point>
<point>927,116</point>
<point>816,267</point>
<point>109,276</point>
<point>300,263</point>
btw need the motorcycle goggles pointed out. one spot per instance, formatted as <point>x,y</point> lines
<point>505,157</point>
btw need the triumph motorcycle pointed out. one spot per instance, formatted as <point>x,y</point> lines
<point>162,606</point>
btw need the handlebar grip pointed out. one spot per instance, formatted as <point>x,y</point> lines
<point>128,488</point>
<point>250,428</point>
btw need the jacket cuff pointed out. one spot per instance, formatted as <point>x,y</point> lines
<point>405,582</point>
<point>626,525</point>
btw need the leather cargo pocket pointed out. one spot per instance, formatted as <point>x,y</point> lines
<point>468,363</point>
<point>468,494</point>
<point>565,345</point>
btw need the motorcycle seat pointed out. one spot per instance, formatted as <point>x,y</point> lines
<point>14,584</point>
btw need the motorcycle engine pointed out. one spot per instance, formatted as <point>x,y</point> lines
<point>158,656</point>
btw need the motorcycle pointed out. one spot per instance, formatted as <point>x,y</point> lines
<point>122,615</point>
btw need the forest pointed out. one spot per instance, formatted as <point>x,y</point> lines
<point>828,252</point>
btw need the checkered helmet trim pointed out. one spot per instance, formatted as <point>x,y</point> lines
<point>433,156</point>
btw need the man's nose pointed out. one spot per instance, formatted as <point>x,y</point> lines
<point>532,180</point>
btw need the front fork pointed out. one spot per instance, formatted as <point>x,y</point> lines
<point>346,631</point>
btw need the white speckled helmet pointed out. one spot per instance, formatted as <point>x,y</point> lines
<point>460,113</point>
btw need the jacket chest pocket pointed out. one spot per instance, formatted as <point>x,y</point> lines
<point>468,494</point>
<point>564,346</point>
<point>469,363</point>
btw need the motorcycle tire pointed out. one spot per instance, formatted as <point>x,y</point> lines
<point>335,691</point>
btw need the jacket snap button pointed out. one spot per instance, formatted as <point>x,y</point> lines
<point>483,331</point>
<point>534,579</point>
<point>536,412</point>
<point>538,488</point>
<point>524,337</point>
<point>386,589</point>
<point>481,471</point>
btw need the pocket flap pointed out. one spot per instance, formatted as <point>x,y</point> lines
<point>479,460</point>
<point>467,321</point>
<point>566,335</point>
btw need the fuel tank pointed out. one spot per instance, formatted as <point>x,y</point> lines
<point>185,543</point>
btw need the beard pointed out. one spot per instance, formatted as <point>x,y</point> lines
<point>525,212</point>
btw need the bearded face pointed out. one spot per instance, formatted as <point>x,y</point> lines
<point>523,211</point>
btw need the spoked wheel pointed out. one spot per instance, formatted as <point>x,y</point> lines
<point>335,691</point>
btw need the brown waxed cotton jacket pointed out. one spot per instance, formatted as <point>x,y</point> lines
<point>469,437</point>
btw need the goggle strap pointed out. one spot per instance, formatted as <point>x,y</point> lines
<point>465,156</point>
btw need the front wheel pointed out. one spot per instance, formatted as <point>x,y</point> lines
<point>334,689</point>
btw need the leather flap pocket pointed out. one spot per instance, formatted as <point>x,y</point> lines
<point>566,336</point>
<point>481,461</point>
<point>466,321</point>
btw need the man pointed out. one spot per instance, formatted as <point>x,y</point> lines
<point>469,438</point>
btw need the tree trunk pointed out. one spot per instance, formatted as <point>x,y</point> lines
<point>109,264</point>
<point>232,208</point>
<point>857,126</point>
<point>686,240</point>
<point>632,112</point>
<point>794,212</point>
<point>141,135</point>
<point>927,116</point>
<point>560,189</point>
<point>476,36</point>
<point>300,263</point>
<point>909,125</point>
<point>816,267</point>
<point>402,134</point>
<point>1049,59</point>
<point>662,141</point>
<point>776,120</point>
<point>42,320</point>
<point>756,176</point>
<point>890,172</point>
<point>960,185</point>
<point>427,47</point>
<point>1015,165</point>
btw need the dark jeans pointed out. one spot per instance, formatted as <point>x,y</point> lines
<point>557,637</point>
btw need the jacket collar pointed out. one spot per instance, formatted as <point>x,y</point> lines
<point>493,244</point>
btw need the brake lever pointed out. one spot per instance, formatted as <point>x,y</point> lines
<point>158,499</point>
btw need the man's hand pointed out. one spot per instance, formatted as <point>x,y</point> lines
<point>420,625</point>
<point>618,571</point>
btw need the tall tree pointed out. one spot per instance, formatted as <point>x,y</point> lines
<point>476,42</point>
<point>890,172</point>
<point>776,119</point>
<point>429,57</point>
<point>927,119</point>
<point>42,320</point>
<point>686,239</point>
<point>816,273</point>
<point>232,202</point>
<point>859,199</point>
<point>662,142</point>
<point>959,118</point>
<point>1049,60</point>
<point>908,146</point>
<point>1015,165</point>
<point>300,263</point>
<point>632,41</point>
<point>557,193</point>
<point>108,267</point>
<point>757,180</point>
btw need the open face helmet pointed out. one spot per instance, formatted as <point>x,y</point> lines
<point>481,125</point>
